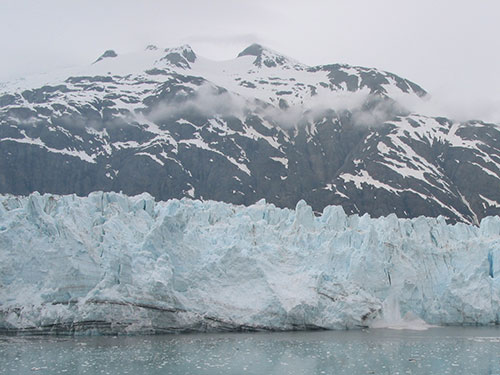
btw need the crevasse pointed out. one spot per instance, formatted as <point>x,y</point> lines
<point>109,263</point>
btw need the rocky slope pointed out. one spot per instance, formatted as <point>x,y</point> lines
<point>174,124</point>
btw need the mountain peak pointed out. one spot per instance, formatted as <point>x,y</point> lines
<point>105,55</point>
<point>180,57</point>
<point>185,48</point>
<point>252,50</point>
<point>269,58</point>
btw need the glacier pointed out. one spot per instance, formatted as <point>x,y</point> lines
<point>112,264</point>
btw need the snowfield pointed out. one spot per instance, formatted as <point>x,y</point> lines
<point>109,263</point>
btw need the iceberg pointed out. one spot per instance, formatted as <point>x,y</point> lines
<point>113,264</point>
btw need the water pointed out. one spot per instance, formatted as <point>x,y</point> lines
<point>378,351</point>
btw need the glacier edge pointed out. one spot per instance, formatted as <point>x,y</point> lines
<point>109,263</point>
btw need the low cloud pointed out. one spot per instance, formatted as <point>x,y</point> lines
<point>376,112</point>
<point>366,109</point>
<point>208,100</point>
<point>455,105</point>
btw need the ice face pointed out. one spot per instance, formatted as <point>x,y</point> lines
<point>109,263</point>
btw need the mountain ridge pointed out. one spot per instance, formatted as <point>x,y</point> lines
<point>174,124</point>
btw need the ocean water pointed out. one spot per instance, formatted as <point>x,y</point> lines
<point>446,350</point>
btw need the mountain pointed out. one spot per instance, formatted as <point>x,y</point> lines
<point>175,124</point>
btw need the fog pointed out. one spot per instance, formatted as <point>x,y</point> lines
<point>450,48</point>
<point>208,100</point>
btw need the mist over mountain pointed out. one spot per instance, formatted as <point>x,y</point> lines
<point>262,125</point>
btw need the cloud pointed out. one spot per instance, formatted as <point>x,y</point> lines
<point>207,100</point>
<point>225,39</point>
<point>376,111</point>
<point>367,109</point>
<point>455,105</point>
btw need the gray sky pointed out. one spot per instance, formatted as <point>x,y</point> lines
<point>449,47</point>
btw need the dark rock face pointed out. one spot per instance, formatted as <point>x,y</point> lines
<point>252,50</point>
<point>266,57</point>
<point>175,133</point>
<point>106,54</point>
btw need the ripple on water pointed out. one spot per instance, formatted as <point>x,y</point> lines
<point>448,350</point>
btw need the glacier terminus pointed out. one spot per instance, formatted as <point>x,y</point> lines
<point>109,263</point>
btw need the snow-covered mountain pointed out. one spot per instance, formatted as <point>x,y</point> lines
<point>175,124</point>
<point>109,263</point>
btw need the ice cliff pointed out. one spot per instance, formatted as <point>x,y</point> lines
<point>109,263</point>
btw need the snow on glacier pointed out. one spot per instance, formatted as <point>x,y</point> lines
<point>112,263</point>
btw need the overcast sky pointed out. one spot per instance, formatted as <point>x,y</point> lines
<point>450,48</point>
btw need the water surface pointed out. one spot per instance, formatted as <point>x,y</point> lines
<point>448,350</point>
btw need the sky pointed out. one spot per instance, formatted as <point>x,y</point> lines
<point>450,48</point>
